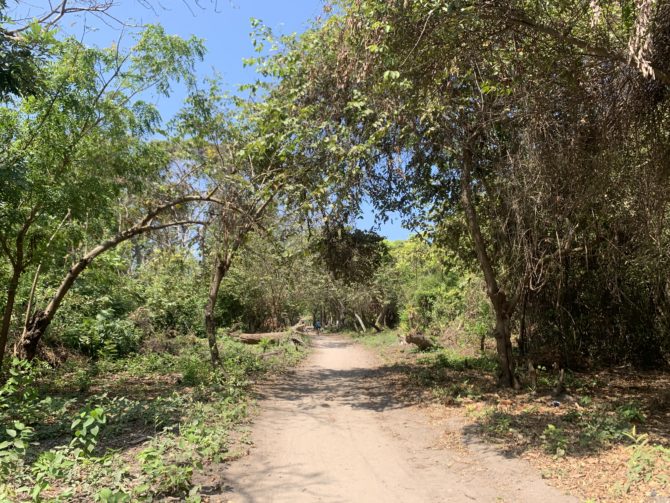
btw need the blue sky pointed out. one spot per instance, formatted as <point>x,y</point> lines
<point>225,27</point>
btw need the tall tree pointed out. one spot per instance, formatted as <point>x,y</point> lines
<point>451,108</point>
<point>236,151</point>
<point>81,145</point>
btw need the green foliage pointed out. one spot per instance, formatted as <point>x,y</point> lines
<point>17,393</point>
<point>166,477</point>
<point>194,373</point>
<point>554,440</point>
<point>107,495</point>
<point>630,412</point>
<point>13,446</point>
<point>103,335</point>
<point>646,461</point>
<point>86,428</point>
<point>438,292</point>
<point>172,291</point>
<point>387,117</point>
<point>351,255</point>
<point>188,426</point>
<point>434,364</point>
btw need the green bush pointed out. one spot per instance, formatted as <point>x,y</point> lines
<point>555,440</point>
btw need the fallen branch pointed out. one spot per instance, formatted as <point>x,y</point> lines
<point>271,337</point>
<point>420,340</point>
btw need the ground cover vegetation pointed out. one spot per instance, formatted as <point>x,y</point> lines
<point>526,143</point>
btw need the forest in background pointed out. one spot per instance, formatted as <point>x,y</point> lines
<point>526,142</point>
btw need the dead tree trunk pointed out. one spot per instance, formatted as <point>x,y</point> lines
<point>502,307</point>
<point>420,340</point>
<point>271,337</point>
<point>379,321</point>
<point>360,321</point>
<point>221,266</point>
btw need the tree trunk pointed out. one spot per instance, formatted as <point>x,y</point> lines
<point>18,266</point>
<point>523,337</point>
<point>271,337</point>
<point>360,320</point>
<point>37,324</point>
<point>379,321</point>
<point>221,266</point>
<point>26,347</point>
<point>502,308</point>
<point>9,309</point>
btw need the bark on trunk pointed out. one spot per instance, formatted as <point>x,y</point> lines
<point>18,267</point>
<point>502,308</point>
<point>221,265</point>
<point>7,314</point>
<point>26,347</point>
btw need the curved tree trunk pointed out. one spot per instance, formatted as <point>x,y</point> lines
<point>221,266</point>
<point>38,322</point>
<point>502,307</point>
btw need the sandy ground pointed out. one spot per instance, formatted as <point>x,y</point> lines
<point>333,431</point>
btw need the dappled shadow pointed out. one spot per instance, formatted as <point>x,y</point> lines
<point>309,481</point>
<point>595,414</point>
<point>372,388</point>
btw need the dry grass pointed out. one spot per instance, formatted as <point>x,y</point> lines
<point>581,441</point>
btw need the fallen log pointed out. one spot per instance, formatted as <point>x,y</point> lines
<point>302,327</point>
<point>268,354</point>
<point>420,340</point>
<point>272,337</point>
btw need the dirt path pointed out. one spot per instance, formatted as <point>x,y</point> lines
<point>335,431</point>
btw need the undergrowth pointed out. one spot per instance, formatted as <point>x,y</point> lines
<point>601,418</point>
<point>135,429</point>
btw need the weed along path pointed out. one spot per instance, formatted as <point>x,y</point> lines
<point>339,429</point>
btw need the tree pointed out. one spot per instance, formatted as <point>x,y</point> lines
<point>233,150</point>
<point>451,108</point>
<point>79,147</point>
<point>25,44</point>
<point>38,322</point>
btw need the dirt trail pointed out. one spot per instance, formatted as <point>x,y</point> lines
<point>334,431</point>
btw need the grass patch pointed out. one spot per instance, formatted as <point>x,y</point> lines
<point>383,339</point>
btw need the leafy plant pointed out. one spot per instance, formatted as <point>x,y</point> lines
<point>86,428</point>
<point>554,440</point>
<point>13,449</point>
<point>164,476</point>
<point>646,461</point>
<point>631,412</point>
<point>107,495</point>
